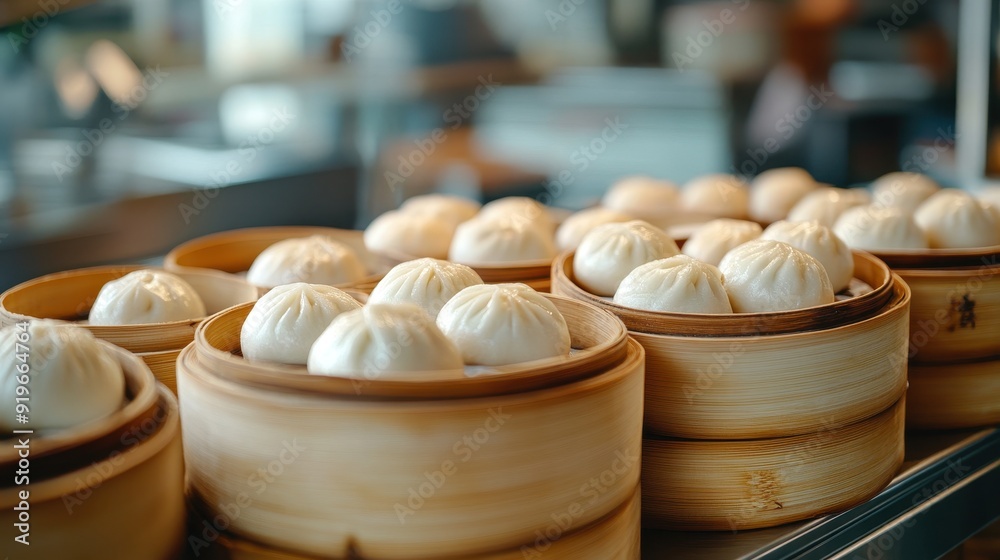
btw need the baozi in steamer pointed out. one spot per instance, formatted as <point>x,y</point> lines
<point>499,324</point>
<point>452,209</point>
<point>903,189</point>
<point>317,259</point>
<point>953,219</point>
<point>878,228</point>
<point>990,195</point>
<point>520,209</point>
<point>677,284</point>
<point>609,252</point>
<point>725,196</point>
<point>820,242</point>
<point>775,192</point>
<point>765,275</point>
<point>73,377</point>
<point>571,231</point>
<point>643,197</point>
<point>827,204</point>
<point>285,321</point>
<point>384,341</point>
<point>146,296</point>
<point>427,283</point>
<point>710,242</point>
<point>412,234</point>
<point>496,240</point>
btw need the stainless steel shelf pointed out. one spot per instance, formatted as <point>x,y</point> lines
<point>948,490</point>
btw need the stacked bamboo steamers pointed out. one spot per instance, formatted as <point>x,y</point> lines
<point>954,366</point>
<point>755,419</point>
<point>98,459</point>
<point>954,350</point>
<point>541,457</point>
<point>408,428</point>
<point>487,457</point>
<point>95,467</point>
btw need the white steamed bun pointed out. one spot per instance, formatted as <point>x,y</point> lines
<point>317,259</point>
<point>390,341</point>
<point>285,322</point>
<point>499,324</point>
<point>426,283</point>
<point>903,189</point>
<point>879,228</point>
<point>451,209</point>
<point>765,275</point>
<point>571,231</point>
<point>821,243</point>
<point>775,192</point>
<point>72,378</point>
<point>497,240</point>
<point>677,284</point>
<point>146,296</point>
<point>643,197</point>
<point>725,196</point>
<point>609,252</point>
<point>954,219</point>
<point>710,242</point>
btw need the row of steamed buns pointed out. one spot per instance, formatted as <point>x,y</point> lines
<point>902,210</point>
<point>727,266</point>
<point>425,315</point>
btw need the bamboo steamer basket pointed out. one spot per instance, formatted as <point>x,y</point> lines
<point>69,296</point>
<point>954,335</point>
<point>532,273</point>
<point>868,269</point>
<point>614,537</point>
<point>957,395</point>
<point>235,250</point>
<point>767,375</point>
<point>78,445</point>
<point>956,302</point>
<point>695,485</point>
<point>113,492</point>
<point>365,446</point>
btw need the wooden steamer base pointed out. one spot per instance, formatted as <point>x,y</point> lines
<point>434,468</point>
<point>614,537</point>
<point>700,485</point>
<point>755,420</point>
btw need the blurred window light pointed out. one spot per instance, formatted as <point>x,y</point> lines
<point>258,115</point>
<point>860,81</point>
<point>75,88</point>
<point>329,18</point>
<point>115,72</point>
<point>248,37</point>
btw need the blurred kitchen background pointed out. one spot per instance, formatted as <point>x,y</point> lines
<point>128,126</point>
